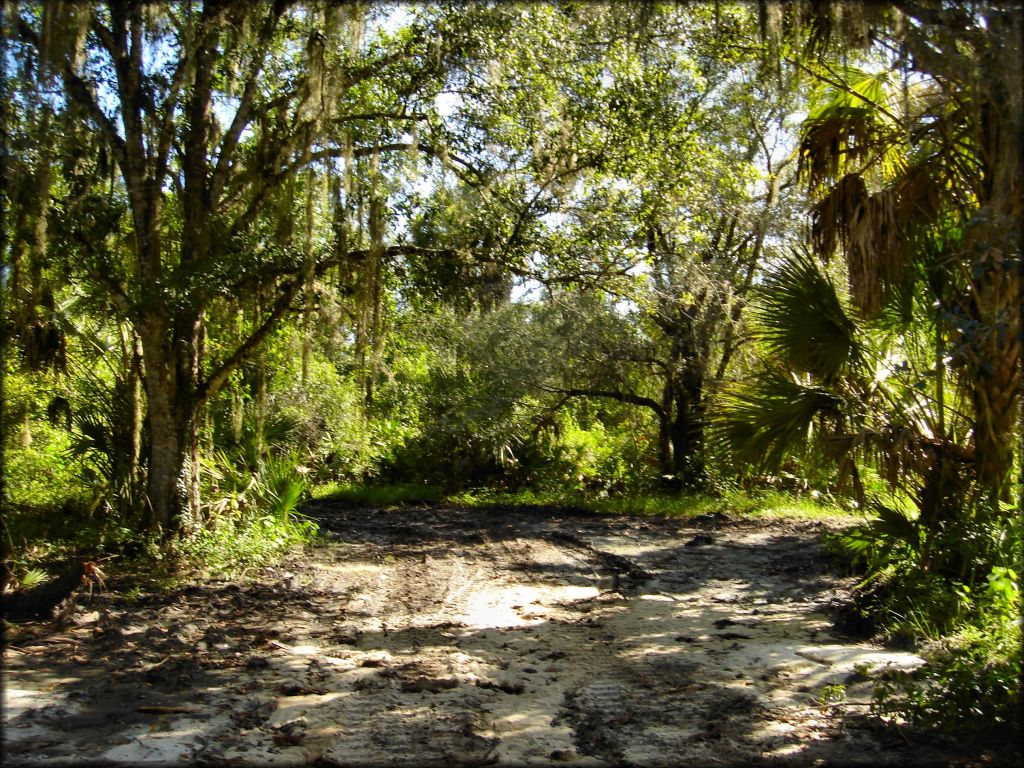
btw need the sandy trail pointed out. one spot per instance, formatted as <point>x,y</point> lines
<point>499,636</point>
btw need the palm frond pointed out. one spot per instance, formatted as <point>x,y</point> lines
<point>768,418</point>
<point>867,227</point>
<point>803,322</point>
<point>891,526</point>
<point>920,191</point>
<point>834,141</point>
<point>830,216</point>
<point>851,125</point>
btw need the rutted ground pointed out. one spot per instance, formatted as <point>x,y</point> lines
<point>440,635</point>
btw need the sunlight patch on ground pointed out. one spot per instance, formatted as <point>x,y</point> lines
<point>520,604</point>
<point>848,657</point>
<point>157,748</point>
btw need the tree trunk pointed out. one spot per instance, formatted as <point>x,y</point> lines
<point>259,396</point>
<point>165,486</point>
<point>997,375</point>
<point>996,259</point>
<point>173,483</point>
<point>665,465</point>
<point>688,436</point>
<point>682,401</point>
<point>132,351</point>
<point>173,420</point>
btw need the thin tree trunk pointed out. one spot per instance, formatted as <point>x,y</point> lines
<point>729,345</point>
<point>133,375</point>
<point>260,402</point>
<point>41,182</point>
<point>237,417</point>
<point>307,276</point>
<point>665,465</point>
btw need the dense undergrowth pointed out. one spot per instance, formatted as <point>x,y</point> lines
<point>954,594</point>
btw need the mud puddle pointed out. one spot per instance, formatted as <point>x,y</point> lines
<point>439,635</point>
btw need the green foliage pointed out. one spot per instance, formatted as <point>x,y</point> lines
<point>33,577</point>
<point>661,504</point>
<point>600,459</point>
<point>810,399</point>
<point>273,488</point>
<point>102,420</point>
<point>970,685</point>
<point>232,543</point>
<point>472,400</point>
<point>320,419</point>
<point>770,417</point>
<point>251,517</point>
<point>957,589</point>
<point>39,475</point>
<point>395,494</point>
<point>58,501</point>
<point>925,581</point>
<point>804,323</point>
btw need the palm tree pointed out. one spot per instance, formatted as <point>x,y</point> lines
<point>902,196</point>
<point>904,168</point>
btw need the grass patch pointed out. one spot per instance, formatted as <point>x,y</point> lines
<point>785,505</point>
<point>232,544</point>
<point>739,503</point>
<point>392,495</point>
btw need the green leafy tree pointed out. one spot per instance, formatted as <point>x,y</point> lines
<point>208,113</point>
<point>681,192</point>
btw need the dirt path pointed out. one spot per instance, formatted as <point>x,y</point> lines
<point>438,635</point>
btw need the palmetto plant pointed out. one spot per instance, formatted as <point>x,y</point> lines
<point>857,392</point>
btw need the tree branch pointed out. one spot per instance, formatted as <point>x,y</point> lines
<point>281,307</point>
<point>79,90</point>
<point>242,114</point>
<point>380,116</point>
<point>279,310</point>
<point>270,180</point>
<point>622,397</point>
<point>427,149</point>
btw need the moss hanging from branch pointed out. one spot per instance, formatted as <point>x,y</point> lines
<point>375,272</point>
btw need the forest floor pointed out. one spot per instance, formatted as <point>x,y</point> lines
<point>430,635</point>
